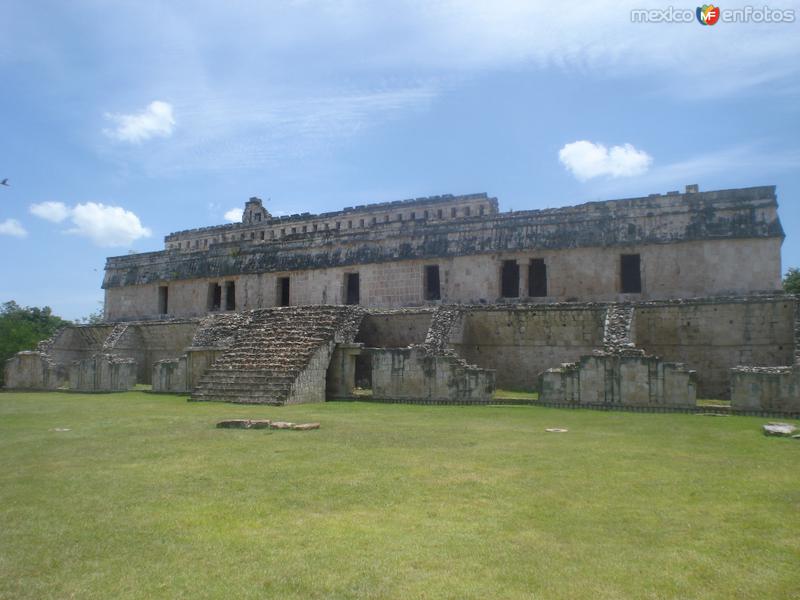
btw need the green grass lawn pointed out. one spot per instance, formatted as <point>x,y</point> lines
<point>501,394</point>
<point>144,498</point>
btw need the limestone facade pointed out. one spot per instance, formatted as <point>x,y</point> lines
<point>658,247</point>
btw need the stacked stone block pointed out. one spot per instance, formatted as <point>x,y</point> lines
<point>416,375</point>
<point>102,373</point>
<point>32,371</point>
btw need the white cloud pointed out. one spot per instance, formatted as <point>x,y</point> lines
<point>50,211</point>
<point>719,167</point>
<point>155,121</point>
<point>12,227</point>
<point>586,160</point>
<point>234,215</point>
<point>106,225</point>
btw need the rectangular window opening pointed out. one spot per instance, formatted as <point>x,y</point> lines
<point>537,278</point>
<point>163,300</point>
<point>509,279</point>
<point>230,295</point>
<point>631,273</point>
<point>214,296</point>
<point>432,285</point>
<point>353,288</point>
<point>283,291</point>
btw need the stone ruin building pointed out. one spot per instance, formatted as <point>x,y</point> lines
<point>642,302</point>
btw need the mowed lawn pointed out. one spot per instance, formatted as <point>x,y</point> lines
<point>144,498</point>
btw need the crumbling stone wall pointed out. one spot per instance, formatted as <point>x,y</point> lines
<point>32,370</point>
<point>414,375</point>
<point>150,342</point>
<point>713,335</point>
<point>169,376</point>
<point>76,342</point>
<point>620,373</point>
<point>766,389</point>
<point>519,342</point>
<point>619,379</point>
<point>102,373</point>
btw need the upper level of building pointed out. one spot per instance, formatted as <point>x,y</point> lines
<point>258,226</point>
<point>452,226</point>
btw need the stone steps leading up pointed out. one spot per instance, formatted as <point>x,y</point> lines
<point>270,349</point>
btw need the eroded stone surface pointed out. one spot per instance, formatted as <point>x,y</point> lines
<point>779,429</point>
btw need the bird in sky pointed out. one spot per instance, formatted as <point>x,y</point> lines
<point>5,182</point>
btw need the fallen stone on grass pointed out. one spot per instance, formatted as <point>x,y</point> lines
<point>779,429</point>
<point>305,426</point>
<point>265,424</point>
<point>244,424</point>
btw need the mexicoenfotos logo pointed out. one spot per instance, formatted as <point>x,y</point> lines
<point>708,14</point>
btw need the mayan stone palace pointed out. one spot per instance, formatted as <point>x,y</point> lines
<point>640,302</point>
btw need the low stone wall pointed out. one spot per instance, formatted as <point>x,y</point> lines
<point>628,380</point>
<point>766,388</point>
<point>169,376</point>
<point>32,371</point>
<point>102,373</point>
<point>413,375</point>
<point>180,375</point>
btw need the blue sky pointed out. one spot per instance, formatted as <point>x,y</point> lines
<point>124,121</point>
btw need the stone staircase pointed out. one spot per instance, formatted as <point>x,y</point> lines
<point>270,353</point>
<point>617,336</point>
<point>442,323</point>
<point>115,335</point>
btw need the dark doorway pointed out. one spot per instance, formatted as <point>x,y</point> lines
<point>363,378</point>
<point>509,279</point>
<point>631,274</point>
<point>214,296</point>
<point>537,278</point>
<point>353,291</point>
<point>432,287</point>
<point>283,291</point>
<point>163,299</point>
<point>230,295</point>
